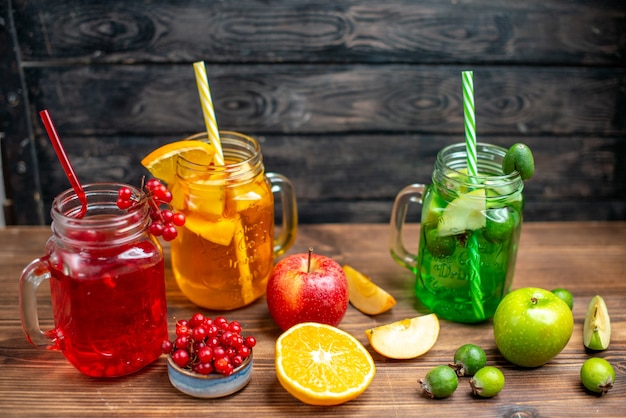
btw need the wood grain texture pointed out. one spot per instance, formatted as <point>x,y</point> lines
<point>367,31</point>
<point>352,98</point>
<point>353,178</point>
<point>585,257</point>
<point>327,99</point>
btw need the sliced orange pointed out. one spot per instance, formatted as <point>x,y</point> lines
<point>365,295</point>
<point>161,162</point>
<point>217,230</point>
<point>322,365</point>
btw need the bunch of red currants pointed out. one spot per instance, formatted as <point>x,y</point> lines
<point>207,345</point>
<point>164,221</point>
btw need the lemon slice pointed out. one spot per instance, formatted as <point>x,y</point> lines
<point>161,162</point>
<point>465,213</point>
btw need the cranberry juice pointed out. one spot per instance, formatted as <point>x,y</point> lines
<point>109,307</point>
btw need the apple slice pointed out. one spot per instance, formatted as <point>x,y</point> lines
<point>405,339</point>
<point>365,295</point>
<point>465,213</point>
<point>597,326</point>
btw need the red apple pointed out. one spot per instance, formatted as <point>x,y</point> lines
<point>307,288</point>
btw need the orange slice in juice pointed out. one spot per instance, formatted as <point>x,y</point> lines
<point>243,196</point>
<point>161,162</point>
<point>322,365</point>
<point>207,197</point>
<point>216,229</point>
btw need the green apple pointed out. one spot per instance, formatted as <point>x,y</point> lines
<point>531,326</point>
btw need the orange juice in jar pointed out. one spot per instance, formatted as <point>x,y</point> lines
<point>223,256</point>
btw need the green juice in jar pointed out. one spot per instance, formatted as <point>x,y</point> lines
<point>452,222</point>
<point>470,229</point>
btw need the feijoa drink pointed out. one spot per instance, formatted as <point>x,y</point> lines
<point>470,229</point>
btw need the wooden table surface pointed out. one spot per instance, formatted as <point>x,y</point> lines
<point>586,258</point>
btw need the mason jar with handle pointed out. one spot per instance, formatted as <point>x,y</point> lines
<point>225,252</point>
<point>469,234</point>
<point>107,284</point>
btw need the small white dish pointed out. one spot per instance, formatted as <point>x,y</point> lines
<point>212,385</point>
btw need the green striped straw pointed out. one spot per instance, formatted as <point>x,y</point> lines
<point>472,170</point>
<point>470,122</point>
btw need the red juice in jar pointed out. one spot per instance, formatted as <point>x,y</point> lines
<point>107,281</point>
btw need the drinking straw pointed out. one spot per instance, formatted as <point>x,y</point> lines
<point>472,170</point>
<point>208,111</point>
<point>65,161</point>
<point>245,276</point>
<point>470,122</point>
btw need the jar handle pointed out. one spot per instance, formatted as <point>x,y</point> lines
<point>33,275</point>
<point>408,195</point>
<point>289,225</point>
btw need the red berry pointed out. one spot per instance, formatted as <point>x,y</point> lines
<point>197,345</point>
<point>250,341</point>
<point>219,352</point>
<point>159,192</point>
<point>213,341</point>
<point>237,361</point>
<point>205,354</point>
<point>212,330</point>
<point>244,351</point>
<point>169,232</point>
<point>166,216</point>
<point>182,343</point>
<point>152,183</point>
<point>221,322</point>
<point>181,358</point>
<point>225,338</point>
<point>183,330</point>
<point>178,219</point>
<point>123,204</point>
<point>196,320</point>
<point>166,347</point>
<point>182,323</point>
<point>199,333</point>
<point>234,326</point>
<point>203,368</point>
<point>156,228</point>
<point>222,365</point>
<point>167,196</point>
<point>231,352</point>
<point>125,193</point>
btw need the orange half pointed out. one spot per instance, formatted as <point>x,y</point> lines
<point>322,365</point>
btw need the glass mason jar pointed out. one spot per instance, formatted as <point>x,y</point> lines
<point>469,234</point>
<point>107,283</point>
<point>224,254</point>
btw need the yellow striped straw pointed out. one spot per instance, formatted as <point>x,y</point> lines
<point>207,110</point>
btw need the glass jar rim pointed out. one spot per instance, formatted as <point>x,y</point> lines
<point>243,148</point>
<point>488,155</point>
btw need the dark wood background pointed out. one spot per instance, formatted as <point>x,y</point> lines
<point>350,99</point>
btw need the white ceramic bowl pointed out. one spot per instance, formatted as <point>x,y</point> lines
<point>212,385</point>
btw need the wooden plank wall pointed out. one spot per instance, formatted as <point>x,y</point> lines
<point>350,99</point>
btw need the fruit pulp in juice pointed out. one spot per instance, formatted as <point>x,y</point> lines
<point>224,254</point>
<point>492,226</point>
<point>110,308</point>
